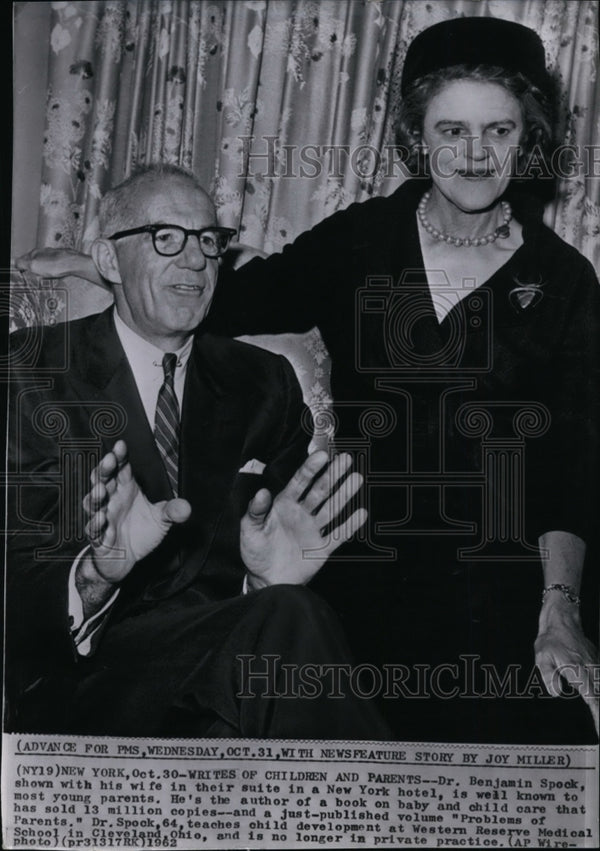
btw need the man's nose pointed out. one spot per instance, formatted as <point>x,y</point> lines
<point>192,257</point>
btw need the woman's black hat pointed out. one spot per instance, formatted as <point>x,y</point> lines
<point>476,41</point>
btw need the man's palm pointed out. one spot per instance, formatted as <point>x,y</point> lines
<point>283,540</point>
<point>123,526</point>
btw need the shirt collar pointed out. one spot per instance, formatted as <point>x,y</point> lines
<point>140,352</point>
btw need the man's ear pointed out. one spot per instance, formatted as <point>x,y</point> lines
<point>106,261</point>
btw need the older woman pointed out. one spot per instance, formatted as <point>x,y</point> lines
<point>464,342</point>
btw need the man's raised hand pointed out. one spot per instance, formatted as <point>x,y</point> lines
<point>122,525</point>
<point>287,540</point>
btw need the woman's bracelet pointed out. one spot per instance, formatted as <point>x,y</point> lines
<point>567,591</point>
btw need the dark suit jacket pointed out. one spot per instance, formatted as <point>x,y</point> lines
<point>72,395</point>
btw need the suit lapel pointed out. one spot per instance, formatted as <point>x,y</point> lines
<point>102,363</point>
<point>145,460</point>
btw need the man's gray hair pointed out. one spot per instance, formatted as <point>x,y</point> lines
<point>120,207</point>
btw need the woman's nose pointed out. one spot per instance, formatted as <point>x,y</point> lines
<point>475,148</point>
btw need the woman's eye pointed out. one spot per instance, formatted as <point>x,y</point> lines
<point>501,131</point>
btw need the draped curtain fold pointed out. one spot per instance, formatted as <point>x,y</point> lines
<point>283,108</point>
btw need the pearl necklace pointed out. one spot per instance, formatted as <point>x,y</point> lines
<point>501,232</point>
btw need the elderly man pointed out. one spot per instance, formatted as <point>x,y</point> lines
<point>134,607</point>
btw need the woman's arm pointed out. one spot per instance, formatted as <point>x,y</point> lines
<point>289,292</point>
<point>561,648</point>
<point>65,262</point>
<point>60,263</point>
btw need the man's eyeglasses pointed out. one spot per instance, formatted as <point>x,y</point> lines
<point>170,240</point>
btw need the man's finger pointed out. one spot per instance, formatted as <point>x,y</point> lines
<point>105,469</point>
<point>345,530</point>
<point>177,510</point>
<point>327,482</point>
<point>120,452</point>
<point>95,527</point>
<point>94,499</point>
<point>259,506</point>
<point>117,468</point>
<point>338,500</point>
<point>109,537</point>
<point>125,474</point>
<point>304,475</point>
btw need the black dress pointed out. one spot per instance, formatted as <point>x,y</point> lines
<point>475,436</point>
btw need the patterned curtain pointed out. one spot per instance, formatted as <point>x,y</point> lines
<point>283,108</point>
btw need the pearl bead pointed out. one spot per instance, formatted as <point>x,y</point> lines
<point>502,230</point>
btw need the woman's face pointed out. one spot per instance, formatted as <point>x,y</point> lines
<point>472,131</point>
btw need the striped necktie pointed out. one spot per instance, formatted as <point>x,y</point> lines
<point>166,421</point>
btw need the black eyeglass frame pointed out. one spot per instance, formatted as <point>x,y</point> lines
<point>228,233</point>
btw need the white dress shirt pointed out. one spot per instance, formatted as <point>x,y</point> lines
<point>145,361</point>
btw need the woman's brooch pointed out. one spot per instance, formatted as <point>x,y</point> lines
<point>526,293</point>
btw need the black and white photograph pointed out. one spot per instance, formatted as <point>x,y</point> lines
<point>303,444</point>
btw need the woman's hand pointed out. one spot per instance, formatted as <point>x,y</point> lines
<point>563,652</point>
<point>60,263</point>
<point>239,254</point>
<point>561,648</point>
<point>65,262</point>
